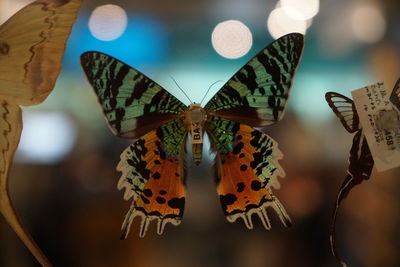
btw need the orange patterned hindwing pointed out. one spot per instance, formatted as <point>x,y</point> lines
<point>153,174</point>
<point>247,162</point>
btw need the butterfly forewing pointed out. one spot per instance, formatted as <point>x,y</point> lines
<point>32,44</point>
<point>247,169</point>
<point>257,94</point>
<point>345,110</point>
<point>132,103</point>
<point>153,174</point>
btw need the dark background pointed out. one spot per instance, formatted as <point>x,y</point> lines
<point>69,202</point>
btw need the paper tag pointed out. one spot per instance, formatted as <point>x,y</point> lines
<point>197,133</point>
<point>381,125</point>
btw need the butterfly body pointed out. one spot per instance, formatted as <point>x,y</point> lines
<point>195,119</point>
<point>152,167</point>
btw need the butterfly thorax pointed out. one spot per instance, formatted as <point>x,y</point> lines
<point>195,118</point>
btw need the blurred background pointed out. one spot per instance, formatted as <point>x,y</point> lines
<point>63,181</point>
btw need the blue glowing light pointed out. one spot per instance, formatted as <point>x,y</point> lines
<point>145,41</point>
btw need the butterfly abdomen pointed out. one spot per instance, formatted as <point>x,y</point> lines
<point>197,151</point>
<point>195,118</point>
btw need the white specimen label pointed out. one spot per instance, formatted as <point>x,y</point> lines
<point>197,133</point>
<point>381,124</point>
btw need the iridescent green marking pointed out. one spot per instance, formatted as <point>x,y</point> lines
<point>222,133</point>
<point>264,82</point>
<point>226,136</point>
<point>172,135</point>
<point>125,93</point>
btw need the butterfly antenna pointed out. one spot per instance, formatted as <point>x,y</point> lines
<point>190,101</point>
<point>209,90</point>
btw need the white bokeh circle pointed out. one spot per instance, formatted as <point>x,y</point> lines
<point>232,39</point>
<point>306,9</point>
<point>108,22</point>
<point>280,23</point>
<point>368,24</point>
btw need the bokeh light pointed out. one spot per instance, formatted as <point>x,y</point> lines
<point>280,23</point>
<point>368,24</point>
<point>47,137</point>
<point>108,22</point>
<point>305,9</point>
<point>294,13</point>
<point>232,39</point>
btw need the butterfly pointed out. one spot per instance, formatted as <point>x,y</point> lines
<point>32,44</point>
<point>152,167</point>
<point>361,161</point>
<point>395,96</point>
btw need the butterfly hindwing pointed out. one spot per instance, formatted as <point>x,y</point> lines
<point>10,128</point>
<point>132,103</point>
<point>32,44</point>
<point>257,94</point>
<point>247,169</point>
<point>153,174</point>
<point>395,96</point>
<point>345,110</point>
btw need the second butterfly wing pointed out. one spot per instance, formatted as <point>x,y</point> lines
<point>136,107</point>
<point>27,72</point>
<point>247,159</point>
<point>360,159</point>
<point>395,96</point>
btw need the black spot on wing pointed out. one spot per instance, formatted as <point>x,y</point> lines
<point>141,168</point>
<point>227,200</point>
<point>177,203</point>
<point>160,200</point>
<point>148,192</point>
<point>156,175</point>
<point>258,158</point>
<point>248,80</point>
<point>243,167</point>
<point>238,148</point>
<point>255,185</point>
<point>240,187</point>
<point>145,200</point>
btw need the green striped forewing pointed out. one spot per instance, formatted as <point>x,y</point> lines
<point>132,103</point>
<point>260,89</point>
